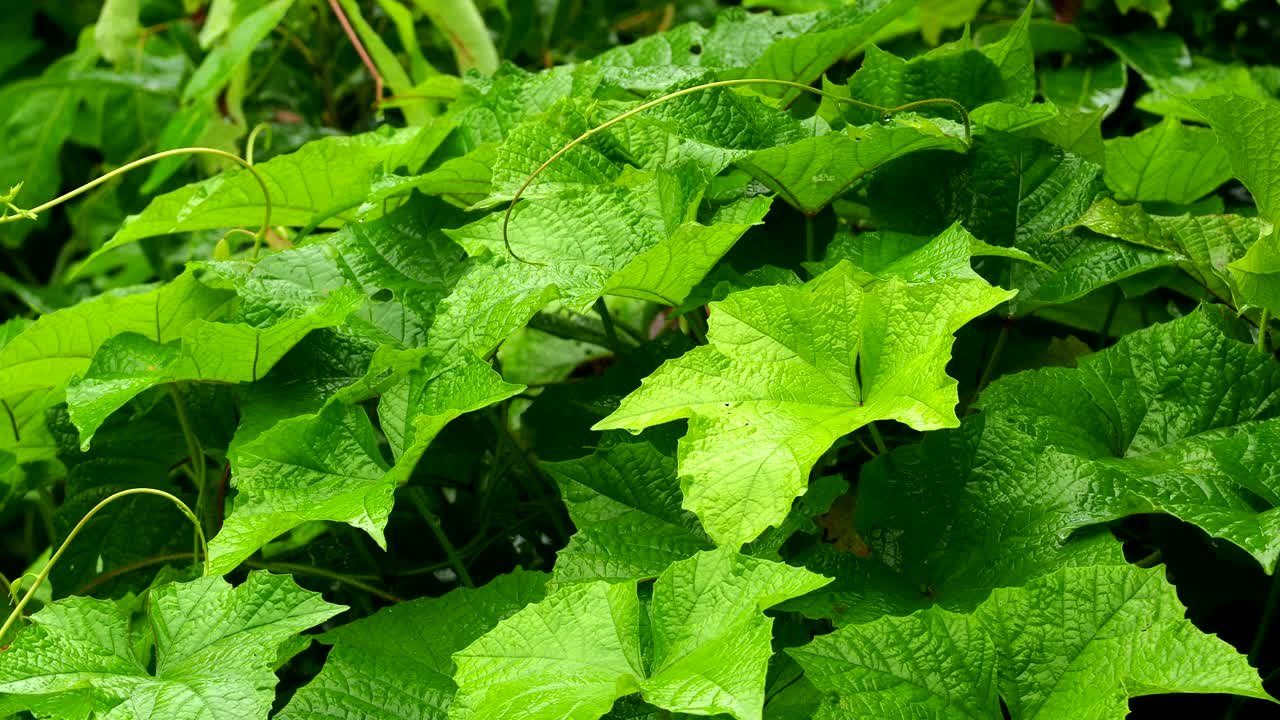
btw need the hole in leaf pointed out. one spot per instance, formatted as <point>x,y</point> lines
<point>383,295</point>
<point>695,49</point>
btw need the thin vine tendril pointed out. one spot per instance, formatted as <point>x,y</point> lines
<point>44,572</point>
<point>506,218</point>
<point>33,213</point>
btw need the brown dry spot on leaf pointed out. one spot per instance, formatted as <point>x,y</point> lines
<point>838,527</point>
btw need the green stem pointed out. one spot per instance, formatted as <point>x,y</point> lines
<point>1264,626</point>
<point>1105,332</point>
<point>455,560</point>
<point>875,436</point>
<point>114,573</point>
<point>194,452</point>
<point>537,481</point>
<point>1264,344</point>
<point>808,238</point>
<point>321,572</point>
<point>253,137</point>
<point>48,567</point>
<point>990,368</point>
<point>609,331</point>
<point>506,218</point>
<point>697,325</point>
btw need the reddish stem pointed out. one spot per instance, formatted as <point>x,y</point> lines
<point>364,56</point>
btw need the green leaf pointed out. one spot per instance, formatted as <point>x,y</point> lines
<point>787,372</point>
<point>1078,132</point>
<point>832,37</point>
<point>1155,55</point>
<point>128,364</point>
<point>883,255</point>
<point>625,502</point>
<point>216,70</point>
<point>941,664</point>
<point>1250,131</point>
<point>809,174</point>
<point>60,346</point>
<point>396,664</point>
<point>404,255</point>
<point>460,22</point>
<point>215,650</point>
<point>971,76</point>
<point>573,654</point>
<point>321,184</point>
<point>569,656</point>
<point>1158,9</point>
<point>414,409</point>
<point>1086,87</point>
<point>32,133</point>
<point>328,466</point>
<point>1203,244</point>
<point>711,641</point>
<point>116,28</point>
<point>1166,163</point>
<point>1154,439</point>
<point>636,226</point>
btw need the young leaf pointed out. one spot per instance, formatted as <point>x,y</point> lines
<point>1014,648</point>
<point>398,662</point>
<point>215,650</point>
<point>788,371</point>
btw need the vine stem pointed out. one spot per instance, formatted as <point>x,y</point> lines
<point>609,331</point>
<point>262,183</point>
<point>506,218</point>
<point>1263,344</point>
<point>196,453</point>
<point>879,441</point>
<point>48,567</point>
<point>364,56</point>
<point>455,560</point>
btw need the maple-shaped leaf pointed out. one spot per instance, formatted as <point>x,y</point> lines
<point>1128,637</point>
<point>787,371</point>
<point>215,655</point>
<point>574,653</point>
<point>398,662</point>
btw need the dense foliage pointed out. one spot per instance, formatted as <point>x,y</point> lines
<point>534,359</point>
